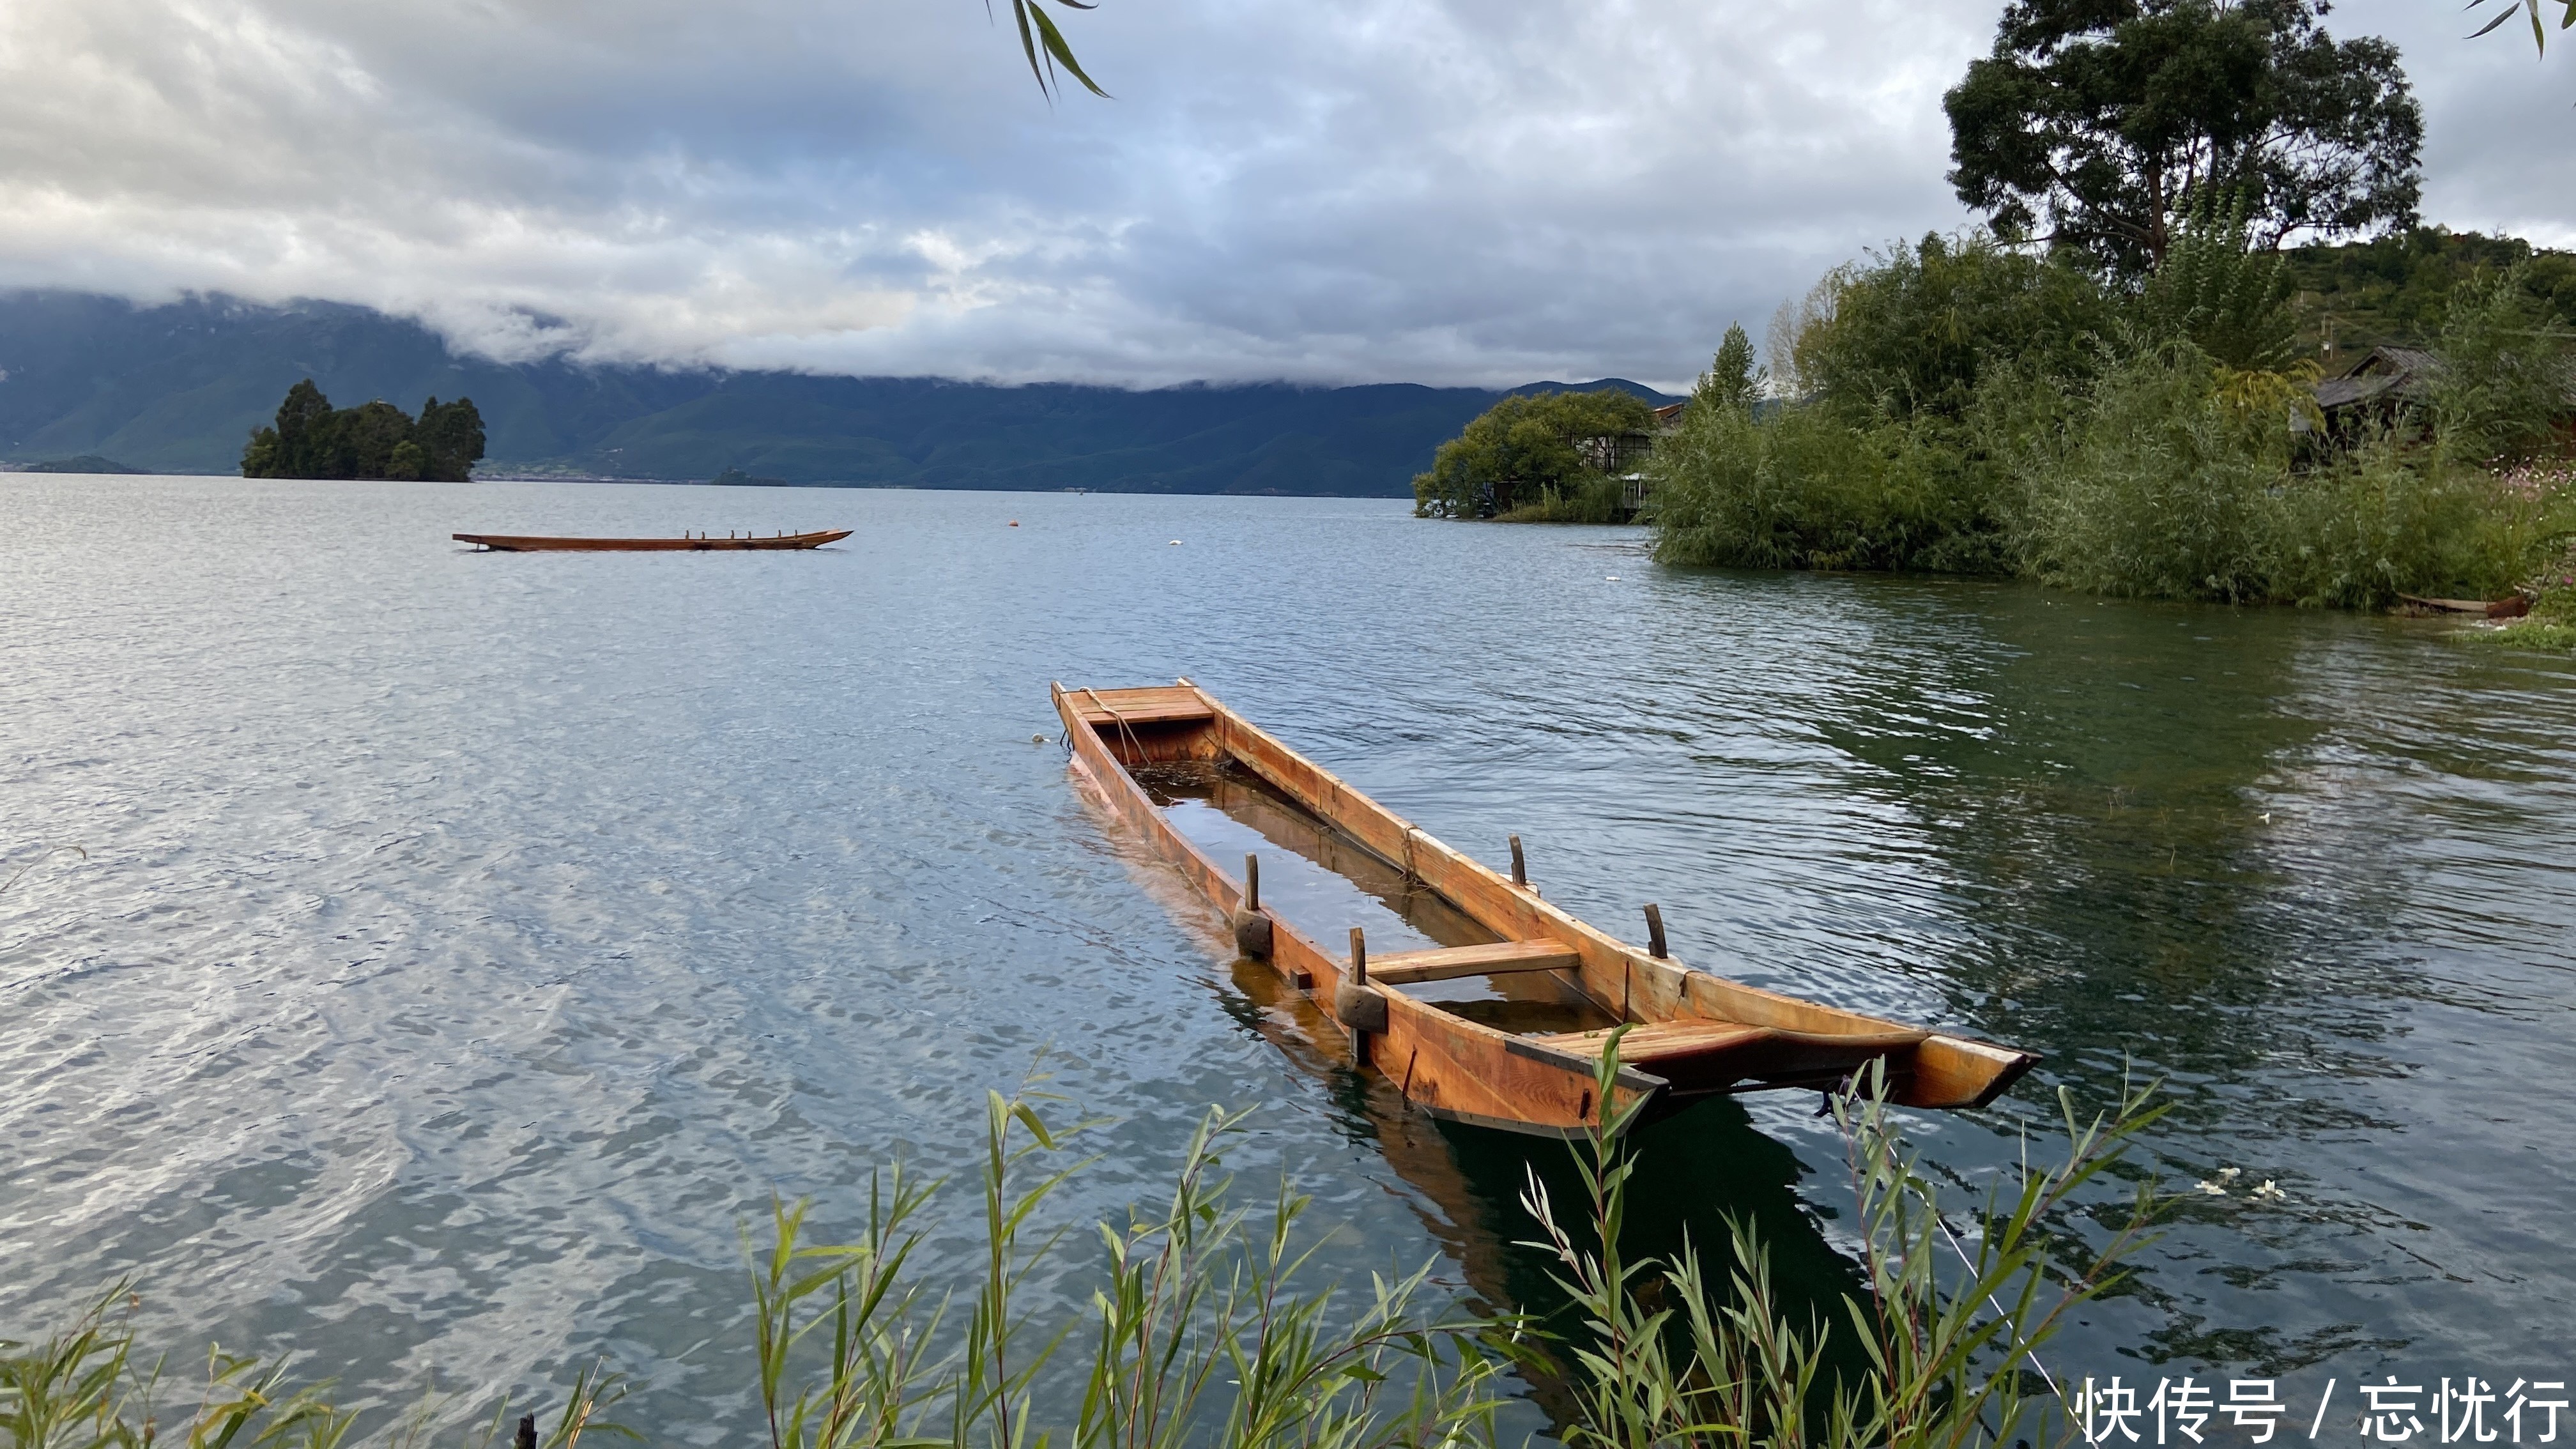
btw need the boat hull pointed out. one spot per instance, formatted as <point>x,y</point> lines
<point>1695,1034</point>
<point>522,543</point>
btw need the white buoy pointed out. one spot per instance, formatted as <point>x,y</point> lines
<point>1176,543</point>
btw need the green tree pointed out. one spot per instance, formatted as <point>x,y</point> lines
<point>1910,334</point>
<point>312,439</point>
<point>1732,379</point>
<point>1524,448</point>
<point>2228,299</point>
<point>2107,121</point>
<point>451,438</point>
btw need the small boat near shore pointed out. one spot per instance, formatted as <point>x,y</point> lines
<point>2511,606</point>
<point>1526,1063</point>
<point>686,543</point>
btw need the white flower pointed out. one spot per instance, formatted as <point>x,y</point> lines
<point>2213,1189</point>
<point>2269,1193</point>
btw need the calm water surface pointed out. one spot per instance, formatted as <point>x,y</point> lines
<point>469,945</point>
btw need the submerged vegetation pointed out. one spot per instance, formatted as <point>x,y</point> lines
<point>1206,1326</point>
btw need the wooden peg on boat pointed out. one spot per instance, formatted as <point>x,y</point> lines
<point>1655,933</point>
<point>1251,926</point>
<point>1356,1004</point>
<point>1520,867</point>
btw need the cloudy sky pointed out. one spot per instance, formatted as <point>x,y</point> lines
<point>1448,191</point>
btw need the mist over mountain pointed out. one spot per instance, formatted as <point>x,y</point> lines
<point>179,387</point>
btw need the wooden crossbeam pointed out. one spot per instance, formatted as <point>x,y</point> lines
<point>1494,960</point>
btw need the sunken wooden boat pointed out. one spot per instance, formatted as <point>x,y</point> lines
<point>1528,1063</point>
<point>2511,606</point>
<point>686,543</point>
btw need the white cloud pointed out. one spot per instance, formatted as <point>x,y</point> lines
<point>1429,190</point>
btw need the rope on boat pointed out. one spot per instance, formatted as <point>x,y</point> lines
<point>1123,730</point>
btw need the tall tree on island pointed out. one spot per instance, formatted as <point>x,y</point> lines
<point>2102,124</point>
<point>312,439</point>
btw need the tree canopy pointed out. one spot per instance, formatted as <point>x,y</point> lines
<point>1523,448</point>
<point>312,439</point>
<point>1911,332</point>
<point>2106,122</point>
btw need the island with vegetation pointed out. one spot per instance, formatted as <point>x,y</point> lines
<point>312,439</point>
<point>2130,379</point>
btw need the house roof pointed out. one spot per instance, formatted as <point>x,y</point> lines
<point>2404,372</point>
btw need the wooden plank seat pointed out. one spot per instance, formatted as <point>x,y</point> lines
<point>1709,1056</point>
<point>1113,707</point>
<point>1499,958</point>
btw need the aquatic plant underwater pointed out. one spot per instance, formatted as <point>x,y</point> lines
<point>1207,1325</point>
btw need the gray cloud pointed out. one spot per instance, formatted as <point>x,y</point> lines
<point>1329,190</point>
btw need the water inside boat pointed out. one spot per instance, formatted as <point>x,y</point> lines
<point>1324,882</point>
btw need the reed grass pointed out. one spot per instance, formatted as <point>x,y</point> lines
<point>1207,1324</point>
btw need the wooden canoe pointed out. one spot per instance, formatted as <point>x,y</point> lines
<point>518,543</point>
<point>2511,606</point>
<point>1692,1034</point>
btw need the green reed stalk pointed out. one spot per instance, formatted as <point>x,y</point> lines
<point>1204,1330</point>
<point>1949,1348</point>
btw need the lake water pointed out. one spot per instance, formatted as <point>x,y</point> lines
<point>469,945</point>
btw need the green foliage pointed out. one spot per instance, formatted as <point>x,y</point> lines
<point>1972,409</point>
<point>1047,49</point>
<point>1524,448</point>
<point>2507,9</point>
<point>2164,492</point>
<point>1733,379</point>
<point>312,439</point>
<point>1677,1355</point>
<point>1801,488</point>
<point>2398,289</point>
<point>2223,296</point>
<point>2508,374</point>
<point>1911,333</point>
<point>2107,121</point>
<point>1591,498</point>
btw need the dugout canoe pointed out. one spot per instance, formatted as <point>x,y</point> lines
<point>1691,1034</point>
<point>686,543</point>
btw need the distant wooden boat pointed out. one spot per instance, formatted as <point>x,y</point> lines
<point>1527,1065</point>
<point>700,543</point>
<point>2512,606</point>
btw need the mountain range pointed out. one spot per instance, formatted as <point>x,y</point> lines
<point>178,387</point>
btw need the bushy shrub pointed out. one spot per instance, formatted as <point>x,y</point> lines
<point>1911,334</point>
<point>2166,492</point>
<point>1801,488</point>
<point>2508,379</point>
<point>2374,525</point>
